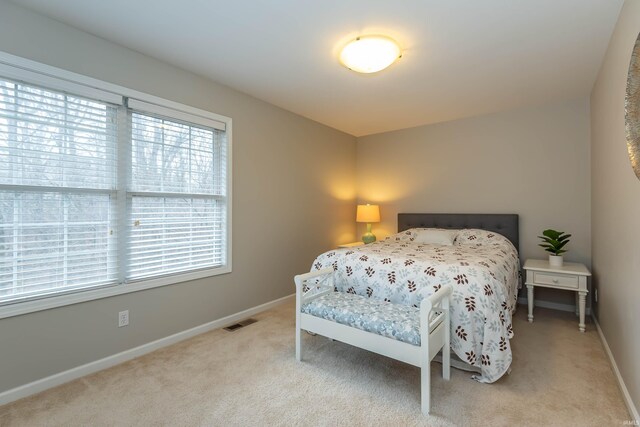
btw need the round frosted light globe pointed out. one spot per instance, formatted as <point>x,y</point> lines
<point>370,54</point>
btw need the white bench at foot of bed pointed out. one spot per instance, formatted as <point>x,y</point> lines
<point>404,333</point>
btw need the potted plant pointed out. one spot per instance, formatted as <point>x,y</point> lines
<point>554,242</point>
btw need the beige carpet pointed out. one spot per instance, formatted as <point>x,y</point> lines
<point>250,377</point>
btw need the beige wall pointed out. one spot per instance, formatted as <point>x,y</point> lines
<point>533,162</point>
<point>293,197</point>
<point>615,203</point>
<point>295,188</point>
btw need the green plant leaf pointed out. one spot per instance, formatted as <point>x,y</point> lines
<point>552,234</point>
<point>553,241</point>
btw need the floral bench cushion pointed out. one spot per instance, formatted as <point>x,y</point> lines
<point>395,321</point>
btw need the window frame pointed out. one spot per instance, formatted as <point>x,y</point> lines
<point>16,67</point>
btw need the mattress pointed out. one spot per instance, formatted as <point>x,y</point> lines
<point>483,268</point>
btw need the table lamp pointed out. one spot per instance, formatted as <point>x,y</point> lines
<point>368,213</point>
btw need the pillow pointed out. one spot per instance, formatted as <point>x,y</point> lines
<point>435,236</point>
<point>474,236</point>
<point>403,236</point>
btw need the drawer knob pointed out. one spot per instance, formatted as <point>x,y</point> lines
<point>555,280</point>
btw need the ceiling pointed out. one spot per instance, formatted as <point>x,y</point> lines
<point>461,57</point>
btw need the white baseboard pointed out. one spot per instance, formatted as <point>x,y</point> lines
<point>633,411</point>
<point>554,305</point>
<point>109,361</point>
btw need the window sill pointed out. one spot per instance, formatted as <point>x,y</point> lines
<point>32,306</point>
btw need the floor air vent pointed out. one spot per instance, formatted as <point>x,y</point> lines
<point>240,325</point>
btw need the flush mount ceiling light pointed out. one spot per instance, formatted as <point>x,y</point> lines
<point>370,54</point>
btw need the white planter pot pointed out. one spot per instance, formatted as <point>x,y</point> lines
<point>555,260</point>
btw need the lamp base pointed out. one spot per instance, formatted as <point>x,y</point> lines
<point>368,237</point>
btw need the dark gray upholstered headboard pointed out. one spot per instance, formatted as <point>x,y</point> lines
<point>505,224</point>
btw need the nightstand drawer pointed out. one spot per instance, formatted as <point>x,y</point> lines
<point>555,280</point>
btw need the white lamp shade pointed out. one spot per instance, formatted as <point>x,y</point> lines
<point>370,54</point>
<point>368,213</point>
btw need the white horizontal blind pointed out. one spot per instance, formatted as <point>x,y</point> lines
<point>96,191</point>
<point>177,196</point>
<point>57,192</point>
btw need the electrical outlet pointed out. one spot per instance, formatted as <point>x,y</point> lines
<point>123,318</point>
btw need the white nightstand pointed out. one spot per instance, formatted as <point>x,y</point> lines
<point>351,245</point>
<point>572,276</point>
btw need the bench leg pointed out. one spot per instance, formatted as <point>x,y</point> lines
<point>299,293</point>
<point>446,363</point>
<point>425,386</point>
<point>298,339</point>
<point>446,349</point>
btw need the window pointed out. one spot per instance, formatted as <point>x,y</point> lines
<point>103,191</point>
<point>177,196</point>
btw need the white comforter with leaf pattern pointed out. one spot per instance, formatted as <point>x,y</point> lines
<point>482,266</point>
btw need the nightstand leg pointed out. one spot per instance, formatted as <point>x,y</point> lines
<point>530,301</point>
<point>582,299</point>
<point>577,304</point>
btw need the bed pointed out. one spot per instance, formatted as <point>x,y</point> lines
<point>482,265</point>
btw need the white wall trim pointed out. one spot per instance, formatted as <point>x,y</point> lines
<point>115,359</point>
<point>553,305</point>
<point>633,411</point>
